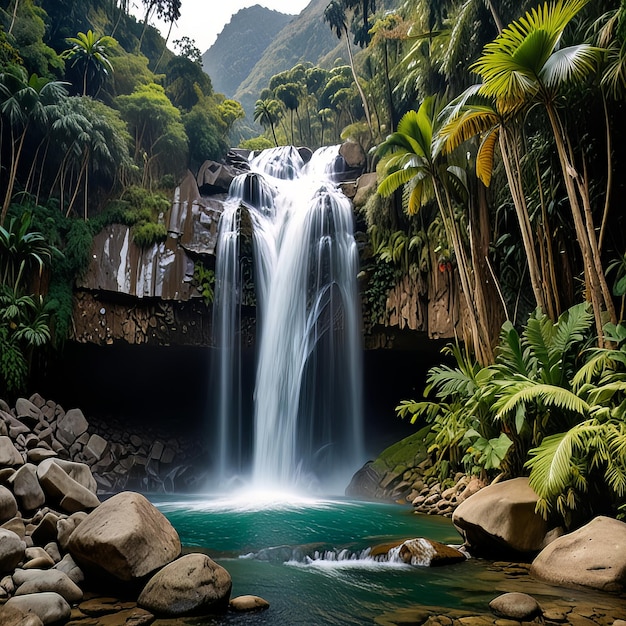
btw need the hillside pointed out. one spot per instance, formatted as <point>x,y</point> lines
<point>239,46</point>
<point>306,38</point>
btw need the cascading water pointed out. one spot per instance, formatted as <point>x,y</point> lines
<point>307,397</point>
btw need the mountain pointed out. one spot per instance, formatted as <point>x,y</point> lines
<point>239,46</point>
<point>305,38</point>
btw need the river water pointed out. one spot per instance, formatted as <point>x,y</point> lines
<point>305,557</point>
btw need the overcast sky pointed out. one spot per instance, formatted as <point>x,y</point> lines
<point>204,20</point>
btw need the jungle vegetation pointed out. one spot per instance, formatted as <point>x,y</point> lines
<point>494,129</point>
<point>98,120</point>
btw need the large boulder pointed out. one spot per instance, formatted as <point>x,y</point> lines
<point>193,584</point>
<point>49,607</point>
<point>501,518</point>
<point>126,538</point>
<point>592,556</point>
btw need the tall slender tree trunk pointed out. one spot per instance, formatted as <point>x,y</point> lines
<point>509,151</point>
<point>358,85</point>
<point>584,232</point>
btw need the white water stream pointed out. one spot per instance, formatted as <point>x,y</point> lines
<point>307,422</point>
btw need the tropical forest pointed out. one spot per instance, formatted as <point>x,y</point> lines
<point>325,324</point>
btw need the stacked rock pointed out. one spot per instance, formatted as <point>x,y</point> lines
<point>118,459</point>
<point>57,538</point>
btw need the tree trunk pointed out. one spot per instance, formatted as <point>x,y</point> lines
<point>358,85</point>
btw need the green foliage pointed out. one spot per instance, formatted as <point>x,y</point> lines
<point>204,280</point>
<point>549,404</point>
<point>256,143</point>
<point>147,234</point>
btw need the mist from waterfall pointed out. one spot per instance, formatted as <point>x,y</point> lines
<point>297,226</point>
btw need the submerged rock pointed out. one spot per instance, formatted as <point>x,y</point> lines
<point>248,603</point>
<point>193,584</point>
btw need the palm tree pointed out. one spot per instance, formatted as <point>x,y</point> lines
<point>412,158</point>
<point>335,16</point>
<point>526,65</point>
<point>267,112</point>
<point>90,54</point>
<point>473,114</point>
<point>24,102</point>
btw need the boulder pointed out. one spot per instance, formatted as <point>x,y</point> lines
<point>193,584</point>
<point>365,482</point>
<point>26,488</point>
<point>26,412</point>
<point>8,505</point>
<point>95,448</point>
<point>62,488</point>
<point>37,558</point>
<point>65,527</point>
<point>353,154</point>
<point>9,454</point>
<point>428,553</point>
<point>46,529</point>
<point>126,538</point>
<point>12,616</point>
<point>516,606</point>
<point>71,426</point>
<point>48,580</point>
<point>501,518</point>
<point>80,472</point>
<point>49,607</point>
<point>68,566</point>
<point>592,556</point>
<point>366,185</point>
<point>248,603</point>
<point>12,550</point>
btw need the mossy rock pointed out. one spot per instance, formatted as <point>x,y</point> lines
<point>407,453</point>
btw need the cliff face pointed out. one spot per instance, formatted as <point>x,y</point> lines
<point>150,296</point>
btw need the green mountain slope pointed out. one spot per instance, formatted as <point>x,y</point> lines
<point>240,45</point>
<point>305,38</point>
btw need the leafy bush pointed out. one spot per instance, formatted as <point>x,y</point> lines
<point>148,233</point>
<point>549,404</point>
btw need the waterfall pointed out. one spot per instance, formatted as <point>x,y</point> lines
<point>307,414</point>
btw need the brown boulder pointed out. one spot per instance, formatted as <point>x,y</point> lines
<point>428,553</point>
<point>126,538</point>
<point>193,584</point>
<point>501,518</point>
<point>516,606</point>
<point>592,556</point>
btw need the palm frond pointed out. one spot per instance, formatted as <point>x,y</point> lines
<point>526,392</point>
<point>485,156</point>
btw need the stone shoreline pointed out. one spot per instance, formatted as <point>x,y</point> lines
<point>56,546</point>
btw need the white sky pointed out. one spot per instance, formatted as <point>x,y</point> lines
<point>204,20</point>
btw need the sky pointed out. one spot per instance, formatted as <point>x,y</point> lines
<point>204,20</point>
